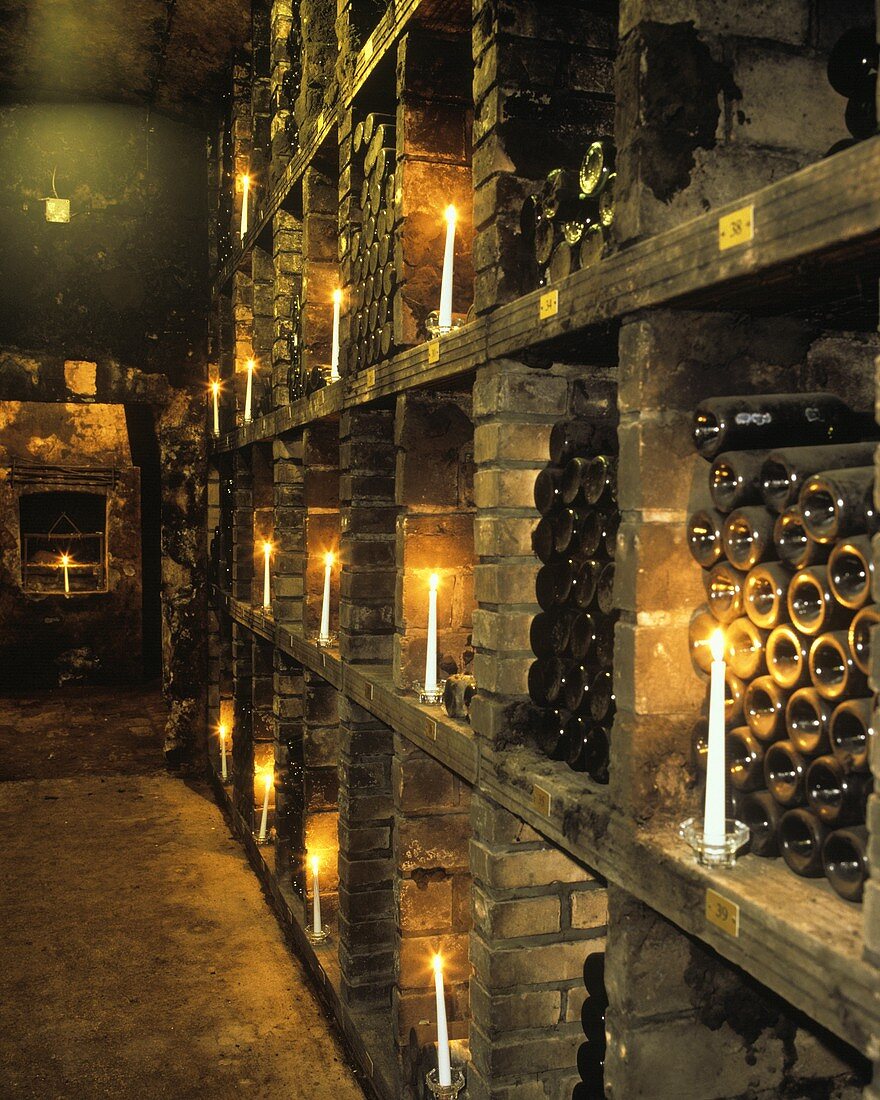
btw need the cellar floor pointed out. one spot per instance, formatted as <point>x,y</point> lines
<point>138,957</point>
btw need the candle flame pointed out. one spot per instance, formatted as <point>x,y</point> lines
<point>221,732</point>
<point>245,182</point>
<point>438,964</point>
<point>250,365</point>
<point>328,558</point>
<point>268,778</point>
<point>65,559</point>
<point>315,864</point>
<point>450,215</point>
<point>215,387</point>
<point>716,644</point>
<point>434,582</point>
<point>267,549</point>
<point>337,296</point>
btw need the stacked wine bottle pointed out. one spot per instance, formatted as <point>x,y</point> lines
<point>573,635</point>
<point>786,550</point>
<point>374,155</point>
<point>565,224</point>
<point>852,73</point>
<point>591,1052</point>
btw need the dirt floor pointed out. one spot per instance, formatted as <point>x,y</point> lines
<point>138,957</point>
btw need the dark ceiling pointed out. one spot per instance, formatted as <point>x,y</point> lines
<point>170,54</point>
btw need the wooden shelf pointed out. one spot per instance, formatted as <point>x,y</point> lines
<point>381,40</point>
<point>825,216</point>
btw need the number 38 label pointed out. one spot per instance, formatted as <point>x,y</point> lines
<point>721,912</point>
<point>736,228</point>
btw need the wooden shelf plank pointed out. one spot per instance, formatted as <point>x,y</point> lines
<point>381,40</point>
<point>829,211</point>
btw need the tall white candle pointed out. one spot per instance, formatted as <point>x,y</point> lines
<point>715,810</point>
<point>65,562</point>
<point>267,588</point>
<point>245,192</point>
<point>317,927</point>
<point>431,655</point>
<point>325,607</point>
<point>249,390</point>
<point>334,354</point>
<point>445,316</point>
<point>444,1070</point>
<point>221,733</point>
<point>264,820</point>
<point>215,390</point>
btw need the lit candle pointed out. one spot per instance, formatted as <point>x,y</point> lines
<point>715,811</point>
<point>245,191</point>
<point>215,390</point>
<point>444,1070</point>
<point>325,607</point>
<point>334,354</point>
<point>444,319</point>
<point>65,562</point>
<point>267,590</point>
<point>249,391</point>
<point>317,928</point>
<point>264,821</point>
<point>221,733</point>
<point>431,656</point>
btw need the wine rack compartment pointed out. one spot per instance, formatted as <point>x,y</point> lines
<point>572,637</point>
<point>786,553</point>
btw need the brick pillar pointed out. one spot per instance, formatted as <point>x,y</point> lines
<point>537,915</point>
<point>435,531</point>
<point>321,470</point>
<point>289,538</point>
<point>321,787</point>
<point>320,243</point>
<point>242,283</point>
<point>514,408</point>
<point>242,728</point>
<point>242,526</point>
<point>287,285</point>
<point>263,725</point>
<point>431,834</point>
<point>366,866</point>
<point>542,88</point>
<point>263,328</point>
<point>263,516</point>
<point>287,707</point>
<point>280,124</point>
<point>318,58</point>
<point>349,224</point>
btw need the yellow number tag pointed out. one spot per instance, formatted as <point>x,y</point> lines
<point>541,800</point>
<point>736,228</point>
<point>433,351</point>
<point>721,912</point>
<point>548,306</point>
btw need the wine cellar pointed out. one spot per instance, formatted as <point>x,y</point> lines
<point>661,339</point>
<point>478,437</point>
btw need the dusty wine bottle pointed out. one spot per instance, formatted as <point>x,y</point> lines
<point>792,542</point>
<point>746,652</point>
<point>601,697</point>
<point>787,655</point>
<point>544,681</point>
<point>748,537</point>
<point>845,861</point>
<point>583,588</point>
<point>597,166</point>
<point>785,469</point>
<point>764,592</point>
<point>724,592</point>
<point>808,721</point>
<point>771,420</point>
<point>607,205</point>
<point>701,628</point>
<point>599,480</point>
<point>735,479</point>
<point>550,632</point>
<point>542,539</point>
<point>859,636</point>
<point>850,571</point>
<point>577,438</point>
<point>801,837</point>
<point>734,700</point>
<point>548,489</point>
<point>811,603</point>
<point>553,584</point>
<point>860,115</point>
<point>851,732</point>
<point>764,708</point>
<point>833,671</point>
<point>836,796</point>
<point>572,479</point>
<point>574,684</point>
<point>581,636</point>
<point>785,773</point>
<point>592,246</point>
<point>605,589</point>
<point>852,58</point>
<point>833,503</point>
<point>745,759</point>
<point>760,814</point>
<point>704,537</point>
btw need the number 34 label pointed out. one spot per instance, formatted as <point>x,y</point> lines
<point>736,228</point>
<point>721,912</point>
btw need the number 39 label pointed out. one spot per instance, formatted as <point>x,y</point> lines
<point>736,228</point>
<point>721,912</point>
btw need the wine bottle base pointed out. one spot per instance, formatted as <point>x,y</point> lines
<point>712,854</point>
